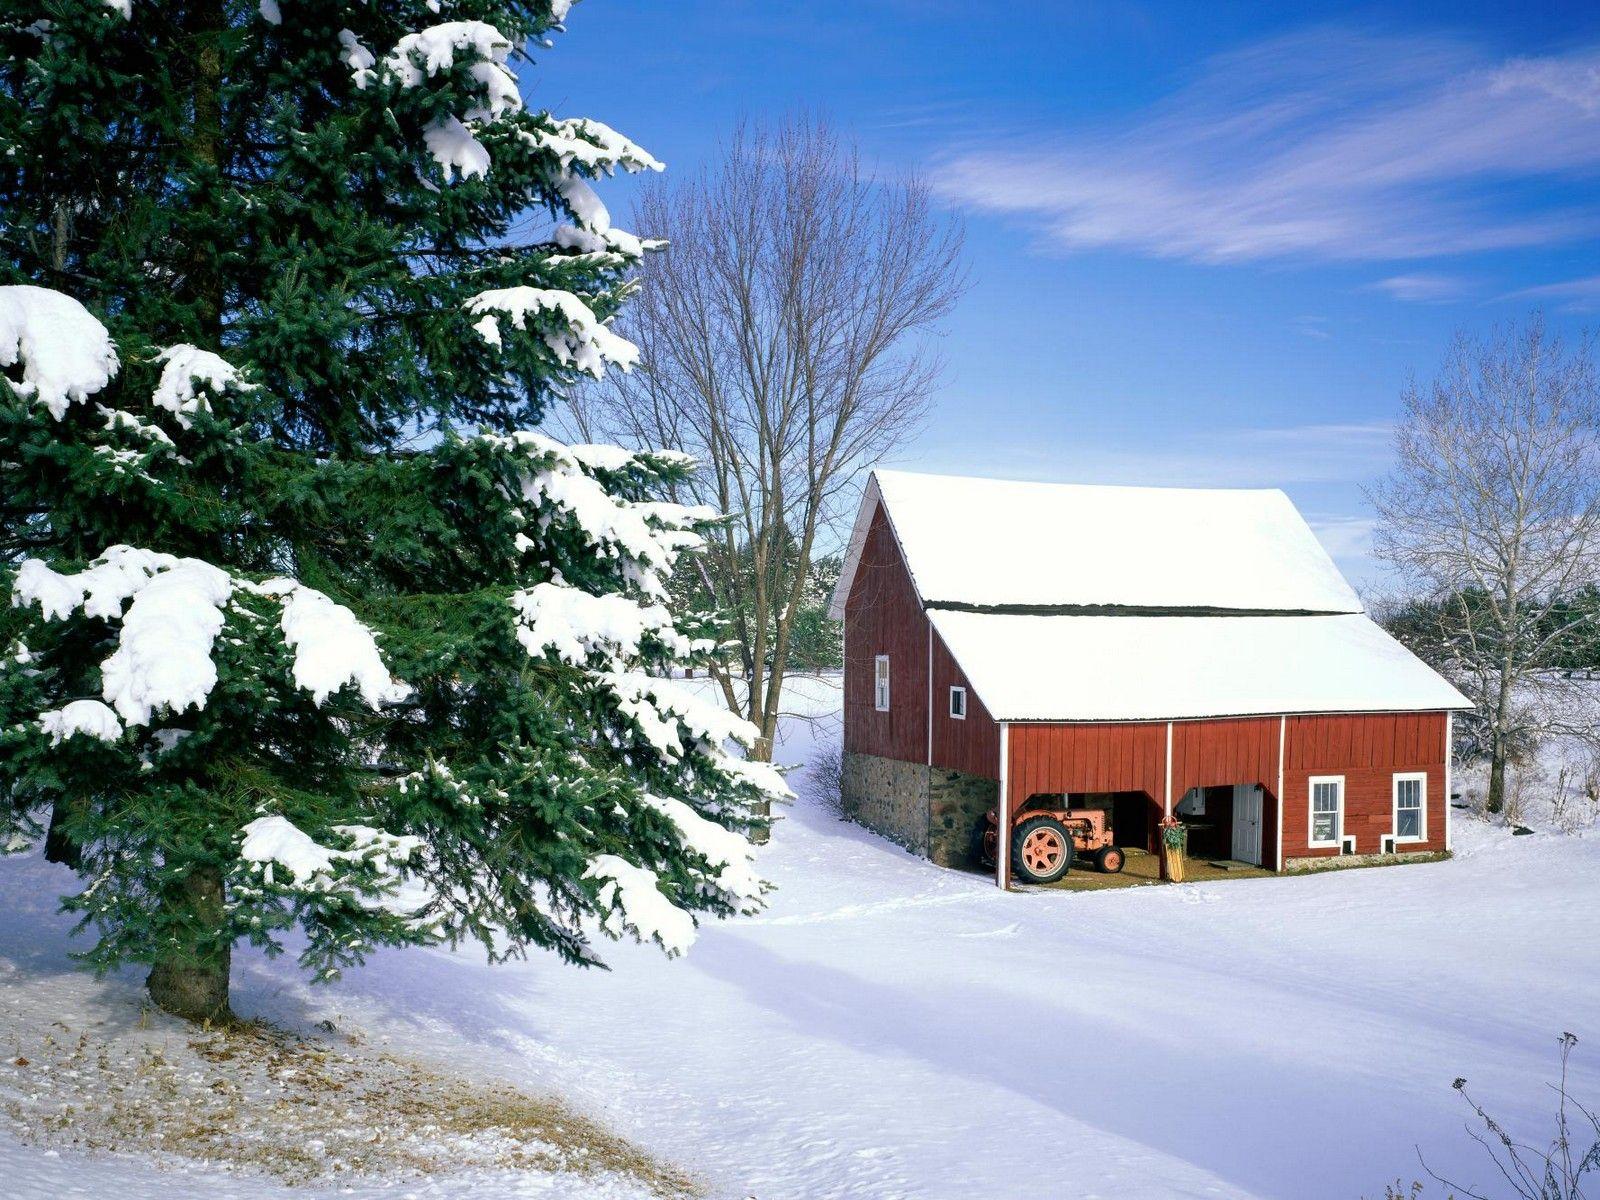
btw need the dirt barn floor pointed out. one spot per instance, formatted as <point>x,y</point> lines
<point>1144,868</point>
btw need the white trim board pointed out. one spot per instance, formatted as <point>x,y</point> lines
<point>1283,730</point>
<point>1002,832</point>
<point>1395,781</point>
<point>1311,814</point>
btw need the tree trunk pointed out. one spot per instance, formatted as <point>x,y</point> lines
<point>58,844</point>
<point>205,23</point>
<point>762,752</point>
<point>1497,778</point>
<point>191,980</point>
<point>1496,800</point>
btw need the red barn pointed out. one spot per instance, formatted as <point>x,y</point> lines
<point>1139,651</point>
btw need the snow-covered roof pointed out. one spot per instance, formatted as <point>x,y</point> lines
<point>1028,667</point>
<point>991,543</point>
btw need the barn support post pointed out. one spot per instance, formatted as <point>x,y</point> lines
<point>1283,729</point>
<point>1449,774</point>
<point>930,690</point>
<point>1167,804</point>
<point>1002,834</point>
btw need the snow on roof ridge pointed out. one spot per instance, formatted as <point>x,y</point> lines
<point>1163,488</point>
<point>993,543</point>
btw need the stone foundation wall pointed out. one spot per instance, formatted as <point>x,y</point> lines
<point>1339,862</point>
<point>889,797</point>
<point>956,807</point>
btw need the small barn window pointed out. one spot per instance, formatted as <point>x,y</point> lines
<point>880,683</point>
<point>1410,809</point>
<point>958,703</point>
<point>1327,809</point>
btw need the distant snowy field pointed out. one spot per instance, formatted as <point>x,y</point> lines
<point>890,1029</point>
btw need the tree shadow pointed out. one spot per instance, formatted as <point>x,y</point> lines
<point>1257,1115</point>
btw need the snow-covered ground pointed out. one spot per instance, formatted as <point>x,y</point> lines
<point>890,1029</point>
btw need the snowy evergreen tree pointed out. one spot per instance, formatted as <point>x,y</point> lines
<point>307,626</point>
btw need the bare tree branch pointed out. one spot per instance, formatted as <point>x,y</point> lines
<point>1493,513</point>
<point>786,345</point>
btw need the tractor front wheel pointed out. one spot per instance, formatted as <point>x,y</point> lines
<point>1110,859</point>
<point>1041,850</point>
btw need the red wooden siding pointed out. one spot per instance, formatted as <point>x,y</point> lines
<point>884,616</point>
<point>1212,753</point>
<point>1238,750</point>
<point>1368,751</point>
<point>1127,757</point>
<point>971,746</point>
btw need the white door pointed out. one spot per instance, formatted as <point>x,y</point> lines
<point>1247,823</point>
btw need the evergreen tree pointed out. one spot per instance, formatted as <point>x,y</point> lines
<point>307,626</point>
<point>816,642</point>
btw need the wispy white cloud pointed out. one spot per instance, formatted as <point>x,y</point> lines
<point>1325,144</point>
<point>1346,539</point>
<point>1422,286</point>
<point>1573,295</point>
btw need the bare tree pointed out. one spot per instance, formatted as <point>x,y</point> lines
<point>786,344</point>
<point>1492,514</point>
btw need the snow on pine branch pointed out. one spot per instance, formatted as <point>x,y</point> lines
<point>645,538</point>
<point>631,899</point>
<point>185,367</point>
<point>65,353</point>
<point>664,711</point>
<point>67,356</point>
<point>274,844</point>
<point>90,718</point>
<point>728,852</point>
<point>163,656</point>
<point>618,242</point>
<point>418,57</point>
<point>421,56</point>
<point>763,776</point>
<point>353,54</point>
<point>574,624</point>
<point>174,612</point>
<point>633,902</point>
<point>578,142</point>
<point>576,337</point>
<point>117,420</point>
<point>595,146</point>
<point>331,647</point>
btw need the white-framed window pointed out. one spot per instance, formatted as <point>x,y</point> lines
<point>958,703</point>
<point>880,683</point>
<point>1411,808</point>
<point>1327,810</point>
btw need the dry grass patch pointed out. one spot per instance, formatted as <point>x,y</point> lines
<point>305,1111</point>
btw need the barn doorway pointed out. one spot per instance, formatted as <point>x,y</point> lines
<point>1135,820</point>
<point>1224,823</point>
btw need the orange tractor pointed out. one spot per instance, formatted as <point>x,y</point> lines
<point>1045,839</point>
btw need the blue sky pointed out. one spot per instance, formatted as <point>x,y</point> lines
<point>1208,243</point>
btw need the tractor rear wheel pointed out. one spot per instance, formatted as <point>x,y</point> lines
<point>1041,850</point>
<point>1110,859</point>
